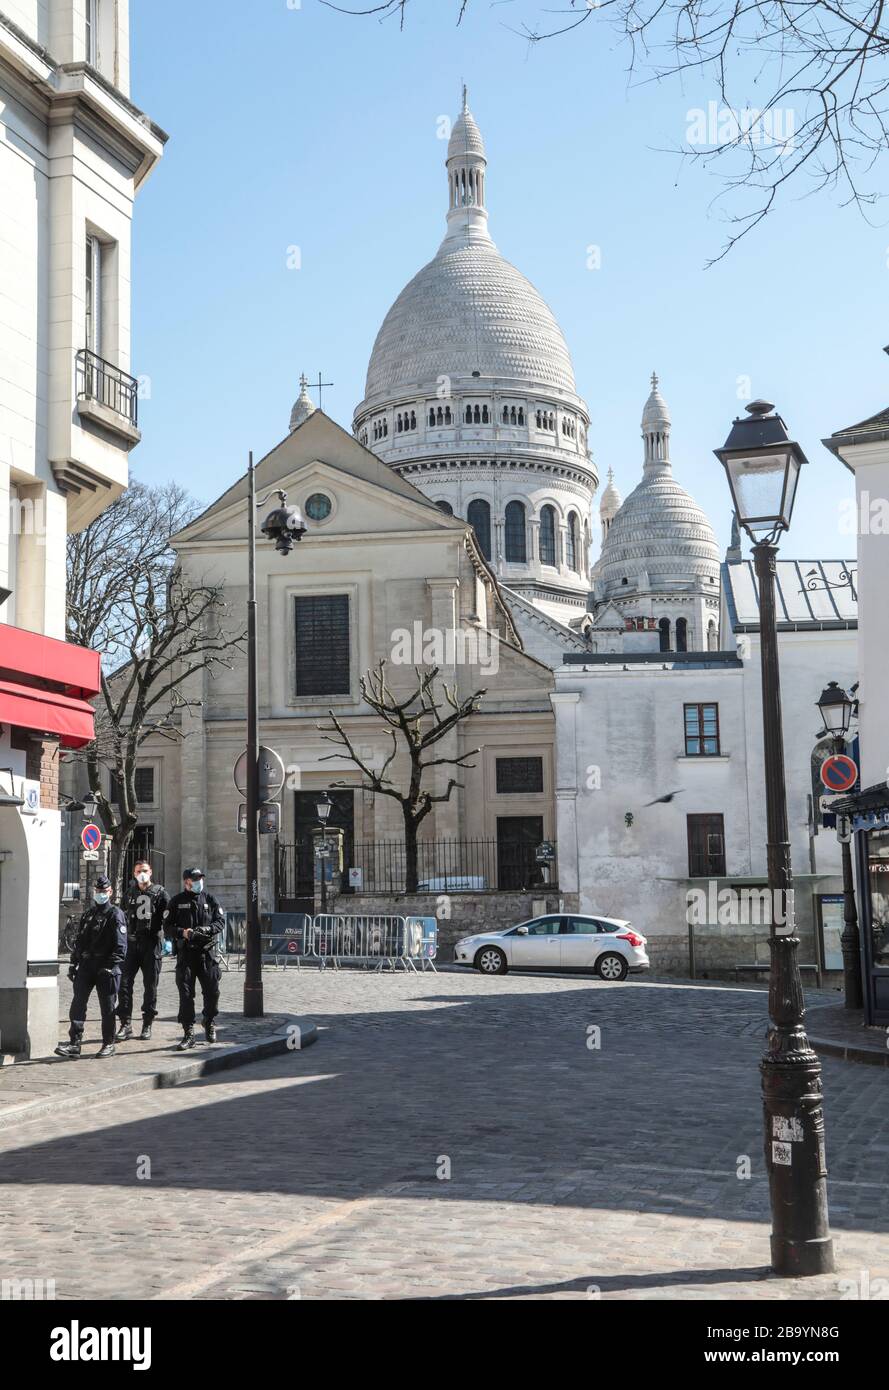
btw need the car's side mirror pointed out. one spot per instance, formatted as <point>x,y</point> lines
<point>521,931</point>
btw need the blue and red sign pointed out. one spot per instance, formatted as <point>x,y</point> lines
<point>839,773</point>
<point>91,837</point>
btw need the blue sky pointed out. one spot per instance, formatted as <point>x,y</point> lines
<point>302,127</point>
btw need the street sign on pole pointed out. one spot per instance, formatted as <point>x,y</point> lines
<point>271,774</point>
<point>91,837</point>
<point>839,773</point>
<point>90,856</point>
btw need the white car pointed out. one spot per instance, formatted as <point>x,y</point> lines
<point>558,941</point>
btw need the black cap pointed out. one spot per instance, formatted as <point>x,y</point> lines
<point>102,883</point>
<point>193,873</point>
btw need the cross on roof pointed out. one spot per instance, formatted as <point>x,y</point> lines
<point>315,385</point>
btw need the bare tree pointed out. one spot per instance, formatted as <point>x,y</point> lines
<point>416,724</point>
<point>820,115</point>
<point>128,600</point>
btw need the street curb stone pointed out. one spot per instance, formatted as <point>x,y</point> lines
<point>848,1052</point>
<point>236,1056</point>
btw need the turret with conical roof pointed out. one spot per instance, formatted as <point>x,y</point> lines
<point>466,165</point>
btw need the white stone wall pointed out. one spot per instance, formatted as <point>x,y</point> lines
<point>620,745</point>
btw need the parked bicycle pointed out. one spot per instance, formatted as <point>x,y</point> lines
<point>68,934</point>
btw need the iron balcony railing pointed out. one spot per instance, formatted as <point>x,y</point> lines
<point>98,380</point>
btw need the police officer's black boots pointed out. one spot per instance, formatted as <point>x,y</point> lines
<point>187,1041</point>
<point>210,1032</point>
<point>107,1050</point>
<point>146,1030</point>
<point>124,1032</point>
<point>71,1050</point>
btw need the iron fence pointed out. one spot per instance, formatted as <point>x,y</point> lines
<point>74,874</point>
<point>443,866</point>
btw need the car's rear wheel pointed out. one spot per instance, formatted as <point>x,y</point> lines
<point>611,967</point>
<point>490,960</point>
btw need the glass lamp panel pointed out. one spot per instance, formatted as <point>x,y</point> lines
<point>757,483</point>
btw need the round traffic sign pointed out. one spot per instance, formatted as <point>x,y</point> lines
<point>271,774</point>
<point>91,836</point>
<point>292,947</point>
<point>839,773</point>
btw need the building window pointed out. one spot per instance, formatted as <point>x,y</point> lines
<point>712,637</point>
<point>479,518</point>
<point>681,635</point>
<point>664,630</point>
<point>548,536</point>
<point>322,644</point>
<point>93,295</point>
<point>701,731</point>
<point>318,507</point>
<point>92,32</point>
<point>519,775</point>
<point>571,542</point>
<point>445,507</point>
<point>516,545</point>
<point>706,846</point>
<point>144,781</point>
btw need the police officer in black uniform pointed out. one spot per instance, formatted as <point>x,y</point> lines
<point>195,922</point>
<point>144,906</point>
<point>96,962</point>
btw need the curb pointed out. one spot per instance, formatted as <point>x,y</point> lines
<point>849,1052</point>
<point>196,1067</point>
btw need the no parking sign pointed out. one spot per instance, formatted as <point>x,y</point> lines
<point>839,773</point>
<point>91,837</point>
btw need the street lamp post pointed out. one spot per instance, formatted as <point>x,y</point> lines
<point>284,525</point>
<point>835,708</point>
<point>762,465</point>
<point>323,808</point>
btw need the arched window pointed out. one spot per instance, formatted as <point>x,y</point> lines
<point>506,415</point>
<point>479,518</point>
<point>521,416</point>
<point>398,424</point>
<point>432,417</point>
<point>681,635</point>
<point>516,546</point>
<point>445,507</point>
<point>712,636</point>
<point>664,629</point>
<point>477,416</point>
<point>485,416</point>
<point>571,542</point>
<point>447,414</point>
<point>548,535</point>
<point>538,419</point>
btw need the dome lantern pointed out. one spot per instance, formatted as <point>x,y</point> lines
<point>304,406</point>
<point>466,165</point>
<point>656,428</point>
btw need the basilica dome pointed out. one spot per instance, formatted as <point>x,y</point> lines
<point>468,311</point>
<point>659,534</point>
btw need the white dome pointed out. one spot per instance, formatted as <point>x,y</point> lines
<point>656,414</point>
<point>304,406</point>
<point>468,311</point>
<point>659,531</point>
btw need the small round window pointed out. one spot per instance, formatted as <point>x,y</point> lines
<point>318,507</point>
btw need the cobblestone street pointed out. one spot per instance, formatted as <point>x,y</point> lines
<point>448,1137</point>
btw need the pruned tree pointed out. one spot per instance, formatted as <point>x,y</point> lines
<point>128,600</point>
<point>416,724</point>
<point>815,66</point>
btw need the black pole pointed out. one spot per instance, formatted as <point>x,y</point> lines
<point>323,875</point>
<point>850,941</point>
<point>253,1000</point>
<point>791,1072</point>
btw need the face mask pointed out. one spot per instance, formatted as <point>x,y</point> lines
<point>197,885</point>
<point>143,877</point>
<point>101,898</point>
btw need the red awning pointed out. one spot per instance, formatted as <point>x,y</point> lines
<point>75,669</point>
<point>47,712</point>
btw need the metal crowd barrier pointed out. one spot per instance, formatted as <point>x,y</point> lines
<point>378,942</point>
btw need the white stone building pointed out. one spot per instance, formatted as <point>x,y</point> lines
<point>73,152</point>
<point>471,395</point>
<point>864,449</point>
<point>633,727</point>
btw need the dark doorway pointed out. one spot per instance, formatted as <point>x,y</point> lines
<point>296,863</point>
<point>517,840</point>
<point>706,846</point>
